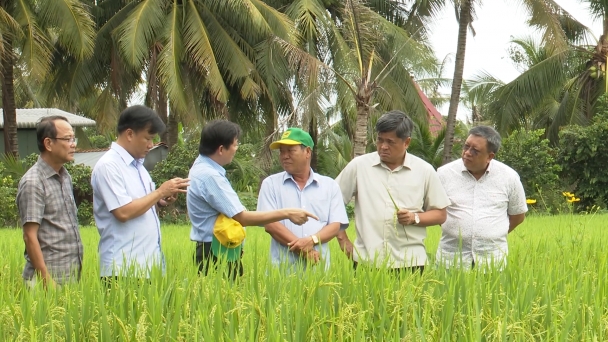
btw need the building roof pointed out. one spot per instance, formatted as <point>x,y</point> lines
<point>91,156</point>
<point>435,119</point>
<point>28,118</point>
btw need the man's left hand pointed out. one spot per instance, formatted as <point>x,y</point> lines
<point>163,202</point>
<point>405,217</point>
<point>304,244</point>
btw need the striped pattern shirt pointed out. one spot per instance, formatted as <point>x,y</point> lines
<point>46,197</point>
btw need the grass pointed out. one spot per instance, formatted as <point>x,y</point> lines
<point>553,289</point>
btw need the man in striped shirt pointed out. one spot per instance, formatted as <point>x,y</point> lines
<point>53,248</point>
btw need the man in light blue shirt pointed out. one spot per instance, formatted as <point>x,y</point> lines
<point>124,199</point>
<point>210,194</point>
<point>299,186</point>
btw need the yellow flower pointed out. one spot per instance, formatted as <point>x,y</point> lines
<point>568,194</point>
<point>530,201</point>
<point>574,199</point>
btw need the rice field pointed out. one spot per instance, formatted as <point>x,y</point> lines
<point>553,289</point>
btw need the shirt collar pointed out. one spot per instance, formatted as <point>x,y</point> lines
<point>407,161</point>
<point>47,170</point>
<point>313,177</point>
<point>126,156</point>
<point>464,168</point>
<point>212,163</point>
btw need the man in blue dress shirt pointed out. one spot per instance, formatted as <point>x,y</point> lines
<point>299,186</point>
<point>210,194</point>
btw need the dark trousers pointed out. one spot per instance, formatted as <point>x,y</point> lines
<point>412,269</point>
<point>204,257</point>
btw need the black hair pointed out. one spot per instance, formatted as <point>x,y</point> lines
<point>139,118</point>
<point>395,121</point>
<point>218,133</point>
<point>45,128</point>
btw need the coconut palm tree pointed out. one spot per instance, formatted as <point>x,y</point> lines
<point>210,53</point>
<point>30,31</point>
<point>365,61</point>
<point>559,86</point>
<point>556,25</point>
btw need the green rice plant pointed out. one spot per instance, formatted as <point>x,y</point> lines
<point>550,290</point>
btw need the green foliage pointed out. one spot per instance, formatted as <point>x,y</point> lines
<point>99,141</point>
<point>177,164</point>
<point>583,161</point>
<point>11,171</point>
<point>531,155</point>
<point>9,215</point>
<point>85,213</point>
<point>249,200</point>
<point>243,172</point>
<point>83,192</point>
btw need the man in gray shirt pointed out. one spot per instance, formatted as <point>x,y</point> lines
<point>53,247</point>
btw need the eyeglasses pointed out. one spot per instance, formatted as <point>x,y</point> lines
<point>474,152</point>
<point>71,140</point>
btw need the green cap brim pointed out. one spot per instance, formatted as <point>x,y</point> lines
<point>223,252</point>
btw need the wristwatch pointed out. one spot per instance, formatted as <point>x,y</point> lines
<point>315,239</point>
<point>416,218</point>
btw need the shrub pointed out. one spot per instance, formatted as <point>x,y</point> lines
<point>177,164</point>
<point>531,155</point>
<point>583,162</point>
<point>249,200</point>
<point>9,215</point>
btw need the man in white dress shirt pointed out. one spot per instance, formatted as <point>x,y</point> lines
<point>488,202</point>
<point>125,199</point>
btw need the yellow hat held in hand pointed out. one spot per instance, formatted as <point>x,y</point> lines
<point>228,236</point>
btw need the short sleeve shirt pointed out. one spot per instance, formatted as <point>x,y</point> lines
<point>320,196</point>
<point>46,197</point>
<point>478,219</point>
<point>413,186</point>
<point>209,194</point>
<point>132,247</point>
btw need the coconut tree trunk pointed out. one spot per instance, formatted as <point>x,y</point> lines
<point>172,123</point>
<point>312,130</point>
<point>162,112</point>
<point>463,25</point>
<point>11,146</point>
<point>265,160</point>
<point>363,97</point>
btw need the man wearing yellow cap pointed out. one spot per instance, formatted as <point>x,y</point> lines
<point>300,187</point>
<point>215,211</point>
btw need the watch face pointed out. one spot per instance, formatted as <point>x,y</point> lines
<point>416,218</point>
<point>315,239</point>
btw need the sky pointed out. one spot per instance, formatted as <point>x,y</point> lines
<point>497,22</point>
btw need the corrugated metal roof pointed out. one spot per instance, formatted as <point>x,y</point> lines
<point>28,117</point>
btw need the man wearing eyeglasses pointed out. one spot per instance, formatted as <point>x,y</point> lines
<point>45,199</point>
<point>488,202</point>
